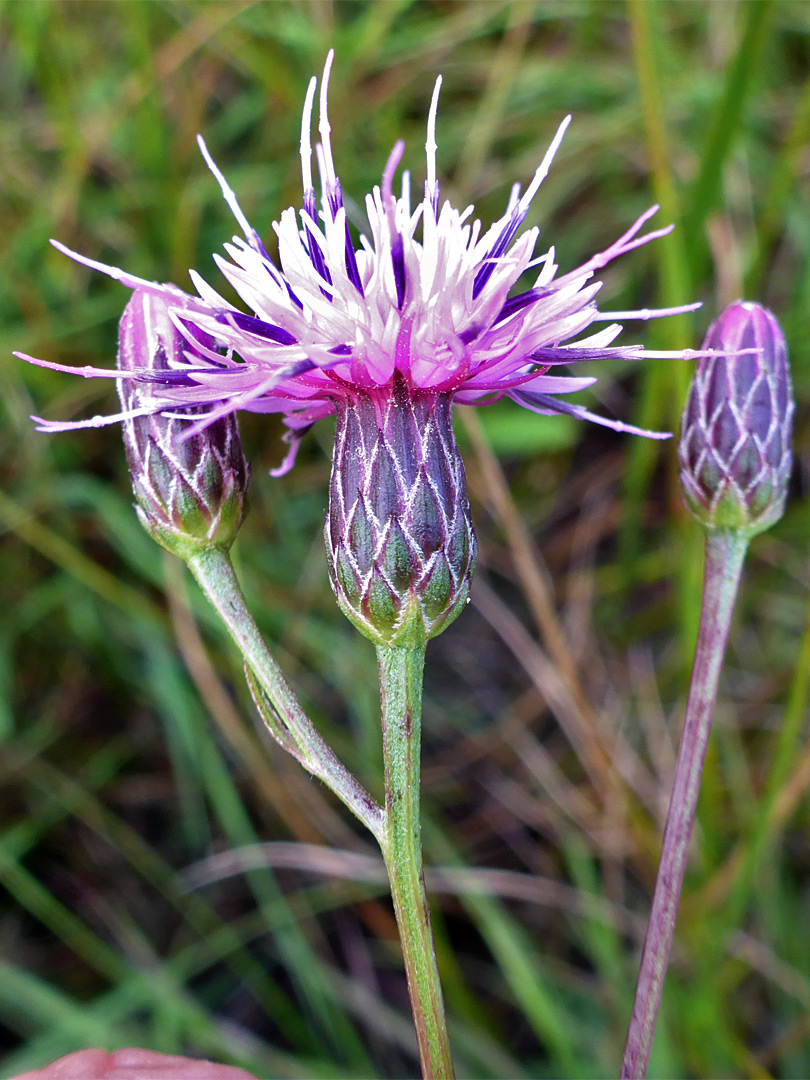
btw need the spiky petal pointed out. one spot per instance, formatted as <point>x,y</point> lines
<point>399,537</point>
<point>735,447</point>
<point>191,492</point>
<point>428,293</point>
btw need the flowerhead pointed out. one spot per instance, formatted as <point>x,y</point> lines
<point>735,447</point>
<point>388,331</point>
<point>191,492</point>
<point>428,294</point>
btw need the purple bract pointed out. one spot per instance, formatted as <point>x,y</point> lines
<point>399,535</point>
<point>735,447</point>
<point>191,492</point>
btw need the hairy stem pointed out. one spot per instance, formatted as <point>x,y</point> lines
<point>401,669</point>
<point>725,553</point>
<point>283,715</point>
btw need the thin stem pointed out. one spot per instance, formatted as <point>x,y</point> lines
<point>283,715</point>
<point>725,553</point>
<point>401,669</point>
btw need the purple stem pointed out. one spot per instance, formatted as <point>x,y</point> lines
<point>725,553</point>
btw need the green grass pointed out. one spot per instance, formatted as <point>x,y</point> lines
<point>129,749</point>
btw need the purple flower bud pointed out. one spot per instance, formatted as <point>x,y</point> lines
<point>399,537</point>
<point>191,492</point>
<point>735,448</point>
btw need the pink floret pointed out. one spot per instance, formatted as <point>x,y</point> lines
<point>427,294</point>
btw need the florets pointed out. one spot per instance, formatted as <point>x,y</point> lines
<point>427,294</point>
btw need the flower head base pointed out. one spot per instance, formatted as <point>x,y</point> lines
<point>191,492</point>
<point>735,447</point>
<point>399,536</point>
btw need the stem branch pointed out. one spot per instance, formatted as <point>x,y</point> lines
<point>281,711</point>
<point>725,553</point>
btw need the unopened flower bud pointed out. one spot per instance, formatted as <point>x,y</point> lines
<point>399,537</point>
<point>735,448</point>
<point>191,492</point>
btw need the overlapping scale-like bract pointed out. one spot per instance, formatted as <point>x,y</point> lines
<point>191,492</point>
<point>399,536</point>
<point>735,447</point>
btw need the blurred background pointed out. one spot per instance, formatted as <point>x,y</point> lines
<point>135,786</point>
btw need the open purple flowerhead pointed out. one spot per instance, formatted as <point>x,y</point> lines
<point>735,446</point>
<point>423,312</point>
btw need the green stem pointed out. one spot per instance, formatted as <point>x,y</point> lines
<point>285,719</point>
<point>401,669</point>
<point>725,553</point>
